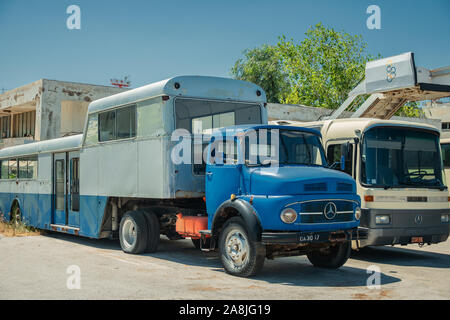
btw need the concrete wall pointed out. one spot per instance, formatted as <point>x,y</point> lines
<point>54,94</point>
<point>60,107</point>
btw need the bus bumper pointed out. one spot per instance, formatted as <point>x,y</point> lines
<point>313,237</point>
<point>405,227</point>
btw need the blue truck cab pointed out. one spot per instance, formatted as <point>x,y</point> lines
<point>270,193</point>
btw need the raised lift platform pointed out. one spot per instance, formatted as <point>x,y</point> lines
<point>392,82</point>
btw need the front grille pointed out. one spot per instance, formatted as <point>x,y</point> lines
<point>314,187</point>
<point>313,211</point>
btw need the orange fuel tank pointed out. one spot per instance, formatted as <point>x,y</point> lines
<point>190,226</point>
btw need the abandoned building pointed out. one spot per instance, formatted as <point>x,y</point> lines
<point>46,109</point>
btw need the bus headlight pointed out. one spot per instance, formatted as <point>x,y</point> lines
<point>382,219</point>
<point>357,213</point>
<point>288,215</point>
<point>444,218</point>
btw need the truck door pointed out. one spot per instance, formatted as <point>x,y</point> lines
<point>222,176</point>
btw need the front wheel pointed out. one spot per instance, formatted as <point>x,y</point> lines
<point>240,256</point>
<point>332,257</point>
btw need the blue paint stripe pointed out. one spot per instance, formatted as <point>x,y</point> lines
<point>37,211</point>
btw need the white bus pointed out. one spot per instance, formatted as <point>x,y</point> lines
<point>399,175</point>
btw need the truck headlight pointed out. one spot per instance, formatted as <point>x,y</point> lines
<point>288,215</point>
<point>357,213</point>
<point>382,219</point>
<point>444,218</point>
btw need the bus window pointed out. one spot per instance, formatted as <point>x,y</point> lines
<point>4,169</point>
<point>23,171</point>
<point>12,174</point>
<point>28,168</point>
<point>334,155</point>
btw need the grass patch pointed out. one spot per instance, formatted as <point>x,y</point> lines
<point>17,229</point>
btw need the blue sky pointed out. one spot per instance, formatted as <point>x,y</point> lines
<point>153,40</point>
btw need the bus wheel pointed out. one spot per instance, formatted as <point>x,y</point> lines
<point>153,231</point>
<point>133,232</point>
<point>333,257</point>
<point>240,256</point>
<point>16,214</point>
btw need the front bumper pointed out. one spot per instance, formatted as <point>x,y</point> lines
<point>405,226</point>
<point>313,237</point>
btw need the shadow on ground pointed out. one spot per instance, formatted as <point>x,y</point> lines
<point>292,271</point>
<point>403,257</point>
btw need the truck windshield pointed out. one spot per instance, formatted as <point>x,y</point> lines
<point>401,157</point>
<point>291,148</point>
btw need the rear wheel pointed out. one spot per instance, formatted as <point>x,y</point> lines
<point>153,231</point>
<point>240,256</point>
<point>133,232</point>
<point>333,257</point>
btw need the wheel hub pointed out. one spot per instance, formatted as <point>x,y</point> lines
<point>237,248</point>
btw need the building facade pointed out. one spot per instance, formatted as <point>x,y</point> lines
<point>46,109</point>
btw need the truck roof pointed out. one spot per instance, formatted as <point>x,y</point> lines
<point>204,87</point>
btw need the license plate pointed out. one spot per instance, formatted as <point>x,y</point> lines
<point>309,237</point>
<point>416,239</point>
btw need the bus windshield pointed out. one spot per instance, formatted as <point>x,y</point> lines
<point>291,148</point>
<point>401,157</point>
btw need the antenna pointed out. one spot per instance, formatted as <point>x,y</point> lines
<point>125,83</point>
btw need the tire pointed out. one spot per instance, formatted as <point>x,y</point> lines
<point>133,232</point>
<point>153,231</point>
<point>196,243</point>
<point>331,258</point>
<point>246,258</point>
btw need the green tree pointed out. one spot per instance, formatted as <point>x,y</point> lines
<point>324,67</point>
<point>263,67</point>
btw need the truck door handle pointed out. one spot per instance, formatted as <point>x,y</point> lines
<point>209,174</point>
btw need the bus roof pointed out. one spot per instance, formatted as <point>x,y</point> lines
<point>345,128</point>
<point>54,145</point>
<point>248,127</point>
<point>188,86</point>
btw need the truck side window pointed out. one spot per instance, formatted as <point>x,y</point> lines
<point>117,124</point>
<point>334,155</point>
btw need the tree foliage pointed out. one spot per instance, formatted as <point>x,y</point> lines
<point>323,67</point>
<point>263,66</point>
<point>319,71</point>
